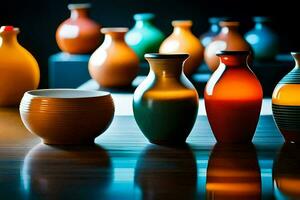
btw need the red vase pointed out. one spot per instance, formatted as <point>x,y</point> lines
<point>233,97</point>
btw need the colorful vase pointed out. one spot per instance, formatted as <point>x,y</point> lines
<point>114,63</point>
<point>233,98</point>
<point>233,173</point>
<point>229,39</point>
<point>182,40</point>
<point>78,34</point>
<point>286,103</point>
<point>214,29</point>
<point>144,37</point>
<point>19,71</point>
<point>165,104</point>
<point>286,172</point>
<point>263,40</point>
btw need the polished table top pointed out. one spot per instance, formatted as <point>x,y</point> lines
<point>123,165</point>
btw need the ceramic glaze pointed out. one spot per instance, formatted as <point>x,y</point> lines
<point>214,29</point>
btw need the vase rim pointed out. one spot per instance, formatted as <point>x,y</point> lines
<point>229,23</point>
<point>216,20</point>
<point>259,19</point>
<point>295,53</point>
<point>73,6</point>
<point>166,56</point>
<point>9,28</point>
<point>143,16</point>
<point>114,30</point>
<point>221,53</point>
<point>182,23</point>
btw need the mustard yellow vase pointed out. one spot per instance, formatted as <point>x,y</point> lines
<point>19,71</point>
<point>182,40</point>
<point>286,103</point>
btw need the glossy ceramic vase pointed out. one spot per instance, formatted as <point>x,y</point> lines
<point>214,29</point>
<point>78,34</point>
<point>165,104</point>
<point>263,40</point>
<point>286,103</point>
<point>286,172</point>
<point>233,173</point>
<point>182,40</point>
<point>19,71</point>
<point>233,97</point>
<point>114,64</point>
<point>229,39</point>
<point>144,37</point>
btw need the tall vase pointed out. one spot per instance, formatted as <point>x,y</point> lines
<point>214,29</point>
<point>144,37</point>
<point>263,40</point>
<point>114,64</point>
<point>233,98</point>
<point>165,104</point>
<point>182,40</point>
<point>229,39</point>
<point>286,103</point>
<point>19,71</point>
<point>79,34</point>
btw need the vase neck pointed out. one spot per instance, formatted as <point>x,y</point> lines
<point>214,28</point>
<point>9,35</point>
<point>182,26</point>
<point>114,34</point>
<point>234,59</point>
<point>296,56</point>
<point>79,13</point>
<point>143,23</point>
<point>227,27</point>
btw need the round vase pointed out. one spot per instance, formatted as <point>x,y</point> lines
<point>286,103</point>
<point>165,104</point>
<point>78,34</point>
<point>229,39</point>
<point>114,64</point>
<point>286,172</point>
<point>207,37</point>
<point>263,40</point>
<point>233,97</point>
<point>233,173</point>
<point>182,40</point>
<point>19,71</point>
<point>144,37</point>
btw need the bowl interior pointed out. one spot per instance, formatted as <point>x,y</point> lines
<point>67,93</point>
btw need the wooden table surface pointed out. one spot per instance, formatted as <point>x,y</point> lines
<point>123,165</point>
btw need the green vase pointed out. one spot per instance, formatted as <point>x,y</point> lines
<point>165,104</point>
<point>144,37</point>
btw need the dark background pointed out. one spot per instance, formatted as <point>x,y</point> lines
<point>38,19</point>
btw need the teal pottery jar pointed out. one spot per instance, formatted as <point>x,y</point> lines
<point>263,40</point>
<point>144,37</point>
<point>213,31</point>
<point>165,104</point>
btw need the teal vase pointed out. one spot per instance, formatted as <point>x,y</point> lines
<point>165,104</point>
<point>263,40</point>
<point>144,37</point>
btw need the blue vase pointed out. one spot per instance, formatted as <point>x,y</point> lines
<point>263,40</point>
<point>214,30</point>
<point>144,37</point>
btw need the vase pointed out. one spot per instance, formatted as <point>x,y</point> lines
<point>214,29</point>
<point>286,103</point>
<point>182,40</point>
<point>165,104</point>
<point>114,64</point>
<point>233,173</point>
<point>263,40</point>
<point>144,37</point>
<point>79,34</point>
<point>233,97</point>
<point>229,39</point>
<point>286,172</point>
<point>19,71</point>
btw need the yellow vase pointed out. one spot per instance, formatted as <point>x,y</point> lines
<point>19,71</point>
<point>181,41</point>
<point>286,103</point>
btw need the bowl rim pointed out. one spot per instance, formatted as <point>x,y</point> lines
<point>39,94</point>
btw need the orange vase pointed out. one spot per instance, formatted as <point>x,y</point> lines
<point>286,103</point>
<point>114,63</point>
<point>229,39</point>
<point>233,97</point>
<point>182,40</point>
<point>19,71</point>
<point>78,34</point>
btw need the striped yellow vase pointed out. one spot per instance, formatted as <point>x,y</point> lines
<point>286,103</point>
